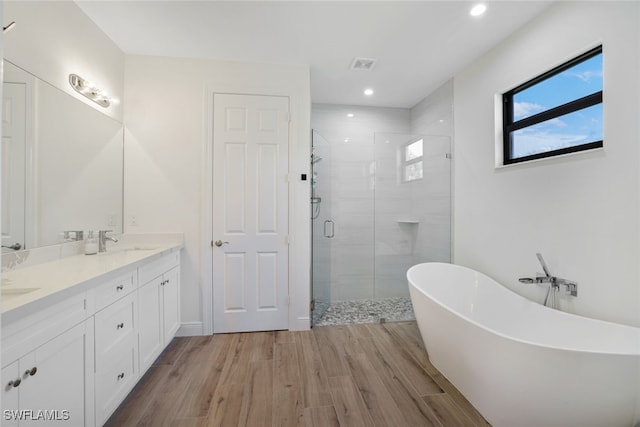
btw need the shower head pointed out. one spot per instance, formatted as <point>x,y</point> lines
<point>315,159</point>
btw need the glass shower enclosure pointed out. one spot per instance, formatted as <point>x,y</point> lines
<point>378,206</point>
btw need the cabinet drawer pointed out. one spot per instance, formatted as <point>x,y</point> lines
<point>158,267</point>
<point>113,290</point>
<point>113,383</point>
<point>115,329</point>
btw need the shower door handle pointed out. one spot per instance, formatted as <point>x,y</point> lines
<point>326,233</point>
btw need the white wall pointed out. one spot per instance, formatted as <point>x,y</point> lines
<point>581,212</point>
<point>167,147</point>
<point>53,39</point>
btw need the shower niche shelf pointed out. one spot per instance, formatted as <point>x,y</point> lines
<point>408,221</point>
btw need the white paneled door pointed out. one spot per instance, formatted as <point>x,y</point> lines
<point>250,213</point>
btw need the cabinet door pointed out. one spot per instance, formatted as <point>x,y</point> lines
<point>150,339</point>
<point>10,392</point>
<point>171,303</point>
<point>56,382</point>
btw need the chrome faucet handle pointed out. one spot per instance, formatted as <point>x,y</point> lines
<point>572,287</point>
<point>544,265</point>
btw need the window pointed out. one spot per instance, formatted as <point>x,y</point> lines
<point>412,161</point>
<point>556,113</point>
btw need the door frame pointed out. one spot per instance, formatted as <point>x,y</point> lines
<point>206,234</point>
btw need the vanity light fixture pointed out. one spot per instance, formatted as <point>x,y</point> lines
<point>350,115</point>
<point>478,9</point>
<point>89,90</point>
<point>368,91</point>
<point>9,27</point>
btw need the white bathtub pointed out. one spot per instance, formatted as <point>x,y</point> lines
<point>520,363</point>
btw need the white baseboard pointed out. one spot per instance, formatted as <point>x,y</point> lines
<point>190,329</point>
<point>301,324</point>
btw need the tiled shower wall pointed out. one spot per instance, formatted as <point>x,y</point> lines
<point>381,231</point>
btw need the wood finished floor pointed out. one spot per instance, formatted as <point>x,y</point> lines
<point>351,375</point>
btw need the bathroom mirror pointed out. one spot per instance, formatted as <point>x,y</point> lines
<point>62,164</point>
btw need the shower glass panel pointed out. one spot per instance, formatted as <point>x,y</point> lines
<point>380,203</point>
<point>412,207</point>
<point>321,224</point>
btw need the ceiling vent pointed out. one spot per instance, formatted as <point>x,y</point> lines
<point>363,64</point>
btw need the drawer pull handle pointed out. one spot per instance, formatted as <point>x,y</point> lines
<point>30,372</point>
<point>119,287</point>
<point>120,325</point>
<point>120,376</point>
<point>14,383</point>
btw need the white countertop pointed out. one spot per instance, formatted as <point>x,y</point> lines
<point>27,289</point>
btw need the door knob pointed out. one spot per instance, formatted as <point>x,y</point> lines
<point>219,243</point>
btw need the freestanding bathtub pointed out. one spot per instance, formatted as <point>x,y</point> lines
<point>520,363</point>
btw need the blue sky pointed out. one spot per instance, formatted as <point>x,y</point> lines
<point>573,129</point>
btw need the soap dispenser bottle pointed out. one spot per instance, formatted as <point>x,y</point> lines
<point>91,243</point>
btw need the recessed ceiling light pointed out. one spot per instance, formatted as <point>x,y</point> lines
<point>346,139</point>
<point>368,92</point>
<point>350,115</point>
<point>478,9</point>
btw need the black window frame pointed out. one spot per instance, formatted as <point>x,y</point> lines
<point>509,125</point>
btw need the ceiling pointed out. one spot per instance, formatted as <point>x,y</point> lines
<point>418,44</point>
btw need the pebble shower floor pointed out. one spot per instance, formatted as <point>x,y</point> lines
<point>366,311</point>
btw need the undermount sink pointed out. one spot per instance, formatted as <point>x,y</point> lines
<point>17,291</point>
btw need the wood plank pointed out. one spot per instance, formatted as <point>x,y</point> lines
<point>447,411</point>
<point>413,344</point>
<point>189,422</point>
<point>166,401</point>
<point>287,387</point>
<point>331,358</point>
<point>408,336</point>
<point>334,343</point>
<point>393,351</point>
<point>227,401</point>
<point>262,345</point>
<point>315,386</point>
<point>173,351</point>
<point>379,402</point>
<point>236,364</point>
<point>257,400</point>
<point>349,405</point>
<point>130,411</point>
<point>197,400</point>
<point>414,409</point>
<point>358,331</point>
<point>324,416</point>
<point>461,402</point>
<point>284,336</point>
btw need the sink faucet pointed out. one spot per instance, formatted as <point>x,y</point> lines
<point>102,240</point>
<point>554,282</point>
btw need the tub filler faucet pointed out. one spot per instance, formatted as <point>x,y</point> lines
<point>553,281</point>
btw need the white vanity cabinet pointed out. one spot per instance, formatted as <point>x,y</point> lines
<point>47,383</point>
<point>70,358</point>
<point>159,306</point>
<point>116,343</point>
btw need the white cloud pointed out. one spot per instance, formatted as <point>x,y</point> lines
<point>525,109</point>
<point>587,75</point>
